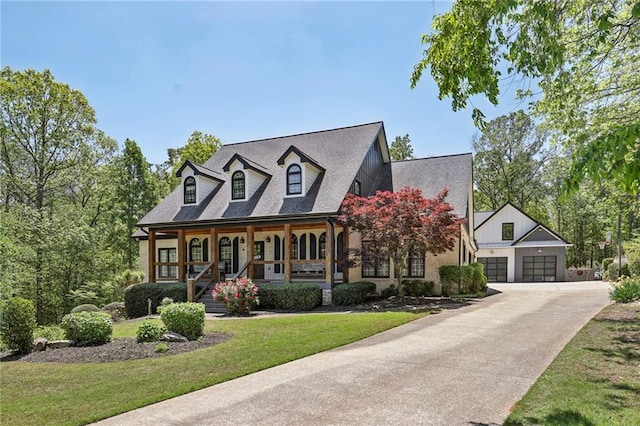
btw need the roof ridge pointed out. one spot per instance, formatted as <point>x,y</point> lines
<point>304,133</point>
<point>432,157</point>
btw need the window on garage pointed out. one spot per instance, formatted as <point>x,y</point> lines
<point>538,268</point>
<point>495,268</point>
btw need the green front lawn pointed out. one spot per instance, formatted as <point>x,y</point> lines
<point>37,393</point>
<point>595,380</point>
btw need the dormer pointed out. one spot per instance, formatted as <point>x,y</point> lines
<point>245,176</point>
<point>301,171</point>
<point>197,182</point>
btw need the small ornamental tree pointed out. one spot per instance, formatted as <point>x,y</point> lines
<point>397,223</point>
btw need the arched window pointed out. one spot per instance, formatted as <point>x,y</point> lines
<point>190,190</point>
<point>237,186</point>
<point>294,179</point>
<point>224,248</point>
<point>303,246</point>
<point>205,250</point>
<point>313,254</point>
<point>294,247</point>
<point>339,252</point>
<point>276,254</point>
<point>322,245</point>
<point>195,250</point>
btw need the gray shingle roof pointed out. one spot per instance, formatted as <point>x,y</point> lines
<point>339,151</point>
<point>432,175</point>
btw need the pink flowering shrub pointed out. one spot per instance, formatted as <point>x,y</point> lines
<point>238,295</point>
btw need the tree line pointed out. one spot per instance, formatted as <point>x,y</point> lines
<point>70,198</point>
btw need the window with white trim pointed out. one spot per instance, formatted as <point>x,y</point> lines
<point>294,180</point>
<point>190,190</point>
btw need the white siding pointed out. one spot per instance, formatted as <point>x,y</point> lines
<point>204,187</point>
<point>252,180</point>
<point>309,175</point>
<point>491,230</point>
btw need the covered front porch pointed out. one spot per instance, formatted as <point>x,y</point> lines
<point>309,251</point>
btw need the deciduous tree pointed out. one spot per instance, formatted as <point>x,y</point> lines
<point>401,148</point>
<point>199,148</point>
<point>49,150</point>
<point>508,163</point>
<point>397,223</point>
<point>584,55</point>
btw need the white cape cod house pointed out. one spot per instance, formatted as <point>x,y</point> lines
<point>267,209</point>
<point>513,247</point>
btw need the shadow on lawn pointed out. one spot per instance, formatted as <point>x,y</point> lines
<point>557,417</point>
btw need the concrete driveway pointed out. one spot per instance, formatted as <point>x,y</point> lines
<point>460,367</point>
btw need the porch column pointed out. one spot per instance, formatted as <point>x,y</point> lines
<point>181,255</point>
<point>213,253</point>
<point>345,254</point>
<point>329,258</point>
<point>250,251</point>
<point>151,251</point>
<point>287,253</point>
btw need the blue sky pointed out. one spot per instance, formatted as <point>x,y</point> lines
<point>156,71</point>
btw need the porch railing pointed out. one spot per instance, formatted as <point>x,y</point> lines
<point>198,277</point>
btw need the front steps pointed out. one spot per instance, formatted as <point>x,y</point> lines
<point>211,306</point>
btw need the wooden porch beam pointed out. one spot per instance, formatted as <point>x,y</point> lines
<point>151,251</point>
<point>250,250</point>
<point>287,253</point>
<point>345,254</point>
<point>213,253</point>
<point>329,257</point>
<point>181,255</point>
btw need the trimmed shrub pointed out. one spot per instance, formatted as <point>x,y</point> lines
<point>238,295</point>
<point>612,271</point>
<point>49,332</point>
<point>352,293</point>
<point>136,296</point>
<point>289,297</point>
<point>465,278</point>
<point>479,282</point>
<point>117,310</point>
<point>88,328</point>
<point>626,290</point>
<point>417,288</point>
<point>389,291</point>
<point>184,318</point>
<point>86,307</point>
<point>17,324</point>
<point>150,331</point>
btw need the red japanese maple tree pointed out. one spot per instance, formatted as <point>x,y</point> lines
<point>395,224</point>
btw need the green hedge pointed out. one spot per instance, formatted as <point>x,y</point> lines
<point>289,297</point>
<point>88,328</point>
<point>184,318</point>
<point>612,271</point>
<point>418,288</point>
<point>352,293</point>
<point>136,296</point>
<point>17,324</point>
<point>464,278</point>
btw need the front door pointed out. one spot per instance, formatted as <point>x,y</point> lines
<point>258,254</point>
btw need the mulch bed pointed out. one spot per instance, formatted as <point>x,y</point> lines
<point>127,349</point>
<point>118,350</point>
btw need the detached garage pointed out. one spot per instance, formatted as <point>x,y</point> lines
<point>495,268</point>
<point>513,247</point>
